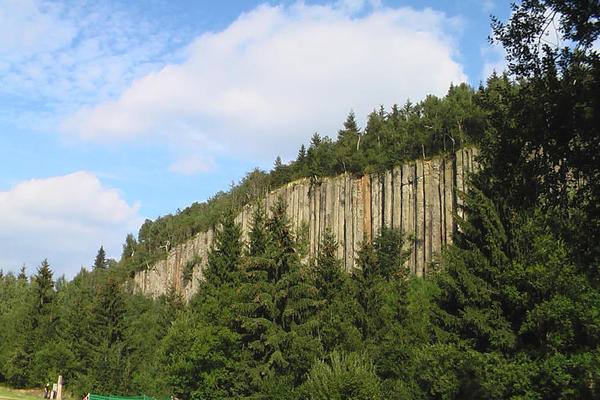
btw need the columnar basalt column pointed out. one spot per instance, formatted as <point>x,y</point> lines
<point>418,197</point>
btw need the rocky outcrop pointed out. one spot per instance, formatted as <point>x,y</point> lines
<point>417,197</point>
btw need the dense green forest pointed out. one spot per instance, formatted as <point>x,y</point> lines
<point>510,310</point>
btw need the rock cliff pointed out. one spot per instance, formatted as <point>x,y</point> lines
<point>417,197</point>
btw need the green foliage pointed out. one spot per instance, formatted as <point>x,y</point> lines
<point>257,236</point>
<point>224,258</point>
<point>100,261</point>
<point>382,271</point>
<point>337,311</point>
<point>275,315</point>
<point>345,376</point>
<point>512,299</point>
<point>188,269</point>
<point>12,308</point>
<point>199,358</point>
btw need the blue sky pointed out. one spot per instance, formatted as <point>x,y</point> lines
<point>116,111</point>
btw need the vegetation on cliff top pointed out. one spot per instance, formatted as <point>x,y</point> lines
<point>429,128</point>
<point>511,310</point>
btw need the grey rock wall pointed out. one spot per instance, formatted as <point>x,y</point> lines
<point>417,197</point>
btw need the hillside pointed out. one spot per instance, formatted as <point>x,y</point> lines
<point>430,128</point>
<point>417,198</point>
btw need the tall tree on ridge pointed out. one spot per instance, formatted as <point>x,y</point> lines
<point>100,262</point>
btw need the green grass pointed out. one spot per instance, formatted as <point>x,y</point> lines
<point>20,394</point>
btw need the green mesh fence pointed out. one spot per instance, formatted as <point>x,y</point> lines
<point>143,397</point>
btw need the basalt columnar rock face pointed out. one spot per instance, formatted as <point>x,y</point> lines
<point>417,197</point>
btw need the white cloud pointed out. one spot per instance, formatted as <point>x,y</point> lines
<point>192,165</point>
<point>64,218</point>
<point>58,57</point>
<point>277,74</point>
<point>26,30</point>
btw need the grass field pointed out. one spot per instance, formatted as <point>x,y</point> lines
<point>19,394</point>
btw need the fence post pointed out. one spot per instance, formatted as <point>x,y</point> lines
<point>59,388</point>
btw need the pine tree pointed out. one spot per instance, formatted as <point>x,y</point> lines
<point>514,301</point>
<point>225,256</point>
<point>347,146</point>
<point>345,375</point>
<point>278,299</point>
<point>22,273</point>
<point>106,338</point>
<point>381,268</point>
<point>35,329</point>
<point>257,236</point>
<point>100,262</point>
<point>301,154</point>
<point>336,312</point>
<point>254,313</point>
<point>43,286</point>
<point>15,330</point>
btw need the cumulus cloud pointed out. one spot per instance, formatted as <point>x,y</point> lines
<point>64,218</point>
<point>278,74</point>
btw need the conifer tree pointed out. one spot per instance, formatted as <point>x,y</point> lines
<point>22,273</point>
<point>381,267</point>
<point>17,346</point>
<point>347,146</point>
<point>13,308</point>
<point>106,337</point>
<point>277,299</point>
<point>511,296</point>
<point>257,236</point>
<point>35,329</point>
<point>100,262</point>
<point>254,315</point>
<point>200,350</point>
<point>225,256</point>
<point>337,309</point>
<point>350,376</point>
<point>43,286</point>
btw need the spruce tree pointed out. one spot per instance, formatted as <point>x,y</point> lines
<point>100,262</point>
<point>257,236</point>
<point>511,301</point>
<point>337,311</point>
<point>106,338</point>
<point>225,256</point>
<point>200,350</point>
<point>381,268</point>
<point>347,147</point>
<point>254,314</point>
<point>43,286</point>
<point>278,299</point>
<point>22,273</point>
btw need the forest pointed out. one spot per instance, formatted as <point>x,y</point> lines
<point>510,310</point>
